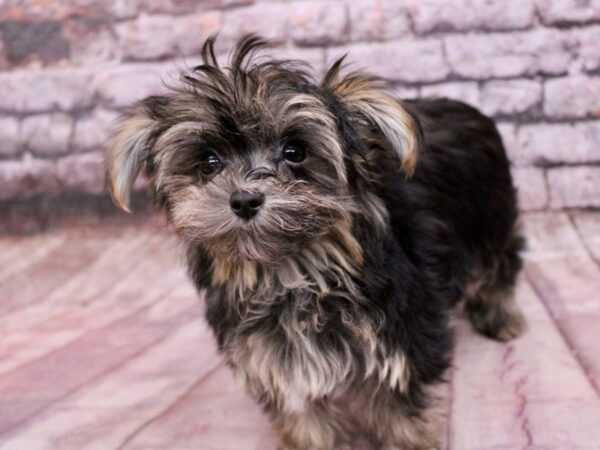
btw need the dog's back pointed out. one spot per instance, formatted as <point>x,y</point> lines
<point>463,181</point>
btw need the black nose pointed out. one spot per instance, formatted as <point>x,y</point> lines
<point>246,204</point>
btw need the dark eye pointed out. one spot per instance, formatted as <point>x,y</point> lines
<point>293,153</point>
<point>210,164</point>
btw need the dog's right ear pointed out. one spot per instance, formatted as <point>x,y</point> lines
<point>130,152</point>
<point>367,101</point>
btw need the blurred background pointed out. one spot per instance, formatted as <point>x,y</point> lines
<point>102,340</point>
<point>70,66</point>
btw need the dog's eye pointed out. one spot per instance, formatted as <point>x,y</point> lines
<point>293,153</point>
<point>210,164</point>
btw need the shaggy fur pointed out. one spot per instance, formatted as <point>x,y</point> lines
<point>332,303</point>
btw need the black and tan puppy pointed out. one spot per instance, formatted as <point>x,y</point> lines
<point>333,228</point>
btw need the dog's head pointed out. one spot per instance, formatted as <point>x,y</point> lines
<point>255,160</point>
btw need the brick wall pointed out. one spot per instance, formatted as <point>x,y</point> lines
<point>68,66</point>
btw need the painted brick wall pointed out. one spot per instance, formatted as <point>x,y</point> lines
<point>68,66</point>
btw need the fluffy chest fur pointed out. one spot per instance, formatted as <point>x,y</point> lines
<point>306,350</point>
<point>300,332</point>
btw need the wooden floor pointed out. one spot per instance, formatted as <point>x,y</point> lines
<point>103,346</point>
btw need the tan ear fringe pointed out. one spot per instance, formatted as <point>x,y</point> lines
<point>361,94</point>
<point>125,158</point>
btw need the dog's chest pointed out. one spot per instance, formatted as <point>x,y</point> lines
<point>299,332</point>
<point>305,351</point>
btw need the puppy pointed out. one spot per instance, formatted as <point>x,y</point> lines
<point>333,228</point>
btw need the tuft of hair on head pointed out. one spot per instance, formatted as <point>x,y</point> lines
<point>363,95</point>
<point>245,70</point>
<point>239,60</point>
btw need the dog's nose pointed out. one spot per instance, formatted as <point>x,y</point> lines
<point>246,204</point>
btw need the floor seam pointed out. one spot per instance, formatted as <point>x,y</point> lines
<point>135,312</point>
<point>562,334</point>
<point>109,370</point>
<point>581,240</point>
<point>131,436</point>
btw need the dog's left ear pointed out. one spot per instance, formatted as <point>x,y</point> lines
<point>362,97</point>
<point>129,153</point>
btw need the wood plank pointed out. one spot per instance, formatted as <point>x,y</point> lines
<point>79,249</point>
<point>570,289</point>
<point>59,374</point>
<point>103,415</point>
<point>569,285</point>
<point>527,393</point>
<point>66,315</point>
<point>117,258</point>
<point>18,253</point>
<point>551,236</point>
<point>587,224</point>
<point>213,415</point>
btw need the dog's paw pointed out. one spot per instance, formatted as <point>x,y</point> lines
<point>501,324</point>
<point>426,446</point>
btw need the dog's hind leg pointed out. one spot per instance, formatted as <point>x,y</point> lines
<point>490,302</point>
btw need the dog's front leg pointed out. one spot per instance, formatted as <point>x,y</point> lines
<point>396,426</point>
<point>318,425</point>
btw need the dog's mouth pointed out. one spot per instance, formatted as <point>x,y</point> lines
<point>264,225</point>
<point>268,237</point>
